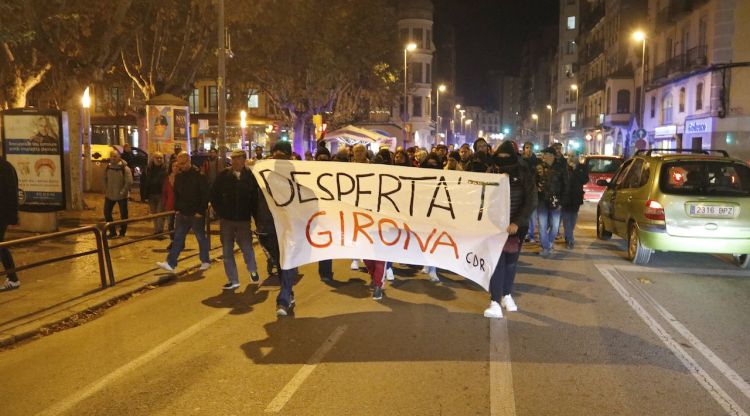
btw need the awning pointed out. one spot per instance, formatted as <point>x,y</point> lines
<point>351,135</point>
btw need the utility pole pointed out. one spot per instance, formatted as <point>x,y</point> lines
<point>221,87</point>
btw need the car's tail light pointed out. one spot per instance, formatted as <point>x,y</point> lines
<point>654,211</point>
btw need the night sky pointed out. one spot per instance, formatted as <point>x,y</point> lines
<point>490,35</point>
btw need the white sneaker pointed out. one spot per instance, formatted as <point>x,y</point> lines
<point>165,266</point>
<point>433,276</point>
<point>204,266</point>
<point>494,311</point>
<point>389,274</point>
<point>508,303</point>
<point>355,264</point>
<point>424,270</point>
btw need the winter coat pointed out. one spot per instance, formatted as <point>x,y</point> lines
<point>579,176</point>
<point>261,213</point>
<point>523,196</point>
<point>190,192</point>
<point>167,195</point>
<point>117,181</point>
<point>152,181</point>
<point>8,194</point>
<point>212,168</point>
<point>552,184</point>
<point>232,198</point>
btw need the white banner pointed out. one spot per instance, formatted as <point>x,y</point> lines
<point>331,210</point>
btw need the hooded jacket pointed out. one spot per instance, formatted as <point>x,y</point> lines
<point>190,192</point>
<point>117,181</point>
<point>8,193</point>
<point>523,199</point>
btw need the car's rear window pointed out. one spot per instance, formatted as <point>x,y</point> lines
<point>705,178</point>
<point>603,164</point>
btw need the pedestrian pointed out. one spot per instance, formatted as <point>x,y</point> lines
<point>127,155</point>
<point>232,198</point>
<point>152,185</point>
<point>552,186</point>
<point>264,225</point>
<point>578,173</point>
<point>117,182</point>
<point>432,161</point>
<point>465,152</point>
<point>453,159</point>
<point>258,153</point>
<point>8,216</point>
<point>167,198</point>
<point>190,205</point>
<point>522,202</point>
<point>212,166</point>
<point>532,161</point>
<point>442,151</point>
<point>325,267</point>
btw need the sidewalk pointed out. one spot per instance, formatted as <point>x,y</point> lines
<point>69,290</point>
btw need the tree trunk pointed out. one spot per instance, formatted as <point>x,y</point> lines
<point>300,120</point>
<point>75,167</point>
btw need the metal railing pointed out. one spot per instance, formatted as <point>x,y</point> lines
<point>103,247</point>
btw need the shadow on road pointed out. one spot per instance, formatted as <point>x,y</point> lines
<point>575,297</point>
<point>240,302</point>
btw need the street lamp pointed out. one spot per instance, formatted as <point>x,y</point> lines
<point>243,125</point>
<point>549,107</point>
<point>463,114</point>
<point>86,104</point>
<point>640,36</point>
<point>574,87</point>
<point>468,123</point>
<point>409,48</point>
<point>535,117</point>
<point>440,89</point>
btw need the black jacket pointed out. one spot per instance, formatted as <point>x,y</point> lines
<point>579,176</point>
<point>190,192</point>
<point>8,194</point>
<point>523,198</point>
<point>264,223</point>
<point>152,181</point>
<point>552,183</point>
<point>233,199</point>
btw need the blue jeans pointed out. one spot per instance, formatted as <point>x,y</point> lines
<point>286,277</point>
<point>549,225</point>
<point>532,224</point>
<point>239,231</point>
<point>325,269</point>
<point>569,219</point>
<point>501,282</point>
<point>182,225</point>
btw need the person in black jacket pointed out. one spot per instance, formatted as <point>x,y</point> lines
<point>190,204</point>
<point>552,184</point>
<point>579,176</point>
<point>8,216</point>
<point>522,203</point>
<point>229,199</point>
<point>152,185</point>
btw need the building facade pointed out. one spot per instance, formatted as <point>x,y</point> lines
<point>567,71</point>
<point>698,92</point>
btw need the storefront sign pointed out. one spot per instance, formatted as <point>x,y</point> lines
<point>698,126</point>
<point>665,132</point>
<point>33,144</point>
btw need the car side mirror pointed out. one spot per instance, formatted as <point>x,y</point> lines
<point>603,182</point>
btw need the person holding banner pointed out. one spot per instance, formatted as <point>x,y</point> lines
<point>552,184</point>
<point>229,198</point>
<point>8,216</point>
<point>325,267</point>
<point>266,229</point>
<point>522,203</point>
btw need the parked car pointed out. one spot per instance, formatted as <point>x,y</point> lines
<point>600,167</point>
<point>684,202</point>
<point>100,153</point>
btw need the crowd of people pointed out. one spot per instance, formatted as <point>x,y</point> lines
<point>544,191</point>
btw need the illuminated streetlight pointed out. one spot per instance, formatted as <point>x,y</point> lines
<point>87,174</point>
<point>243,125</point>
<point>409,48</point>
<point>440,89</point>
<point>549,107</point>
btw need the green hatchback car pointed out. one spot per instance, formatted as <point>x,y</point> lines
<point>678,200</point>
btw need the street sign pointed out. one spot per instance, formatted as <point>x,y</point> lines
<point>640,134</point>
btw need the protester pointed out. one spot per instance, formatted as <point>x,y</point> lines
<point>8,216</point>
<point>401,158</point>
<point>432,161</point>
<point>578,173</point>
<point>465,152</point>
<point>127,155</point>
<point>190,204</point>
<point>419,157</point>
<point>359,155</point>
<point>453,159</point>
<point>212,166</point>
<point>378,269</point>
<point>522,201</point>
<point>531,162</point>
<point>552,185</point>
<point>117,182</point>
<point>264,225</point>
<point>152,185</point>
<point>442,152</point>
<point>482,148</point>
<point>232,198</point>
<point>167,197</point>
<point>309,155</point>
<point>342,155</point>
<point>383,157</point>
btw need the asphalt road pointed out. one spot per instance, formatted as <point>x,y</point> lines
<point>594,335</point>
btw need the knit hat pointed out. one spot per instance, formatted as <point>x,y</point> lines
<point>550,150</point>
<point>282,146</point>
<point>454,155</point>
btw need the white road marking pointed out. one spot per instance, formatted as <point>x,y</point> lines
<point>88,391</point>
<point>681,270</point>
<point>703,378</point>
<point>717,362</point>
<point>502,400</point>
<point>294,384</point>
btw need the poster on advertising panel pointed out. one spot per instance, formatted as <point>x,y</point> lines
<point>160,124</point>
<point>33,144</point>
<point>453,220</point>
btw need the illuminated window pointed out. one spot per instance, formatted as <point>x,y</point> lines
<point>571,22</point>
<point>252,99</point>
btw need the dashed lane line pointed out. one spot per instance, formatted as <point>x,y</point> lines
<point>502,400</point>
<point>158,351</point>
<point>703,378</point>
<point>303,373</point>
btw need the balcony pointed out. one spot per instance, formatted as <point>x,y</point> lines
<point>591,50</point>
<point>696,57</point>
<point>590,17</point>
<point>593,85</point>
<point>677,64</point>
<point>660,72</point>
